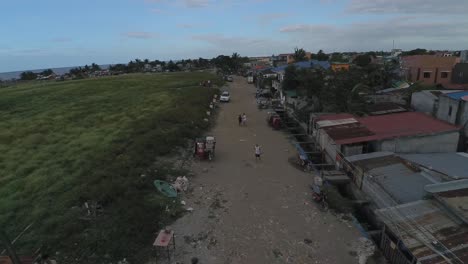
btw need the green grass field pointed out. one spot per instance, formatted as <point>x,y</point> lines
<point>64,143</point>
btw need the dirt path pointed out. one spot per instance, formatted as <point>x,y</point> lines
<point>256,212</point>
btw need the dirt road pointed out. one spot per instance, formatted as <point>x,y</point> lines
<point>256,212</point>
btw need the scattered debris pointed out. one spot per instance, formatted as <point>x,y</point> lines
<point>181,184</point>
<point>277,253</point>
<point>365,248</point>
<point>182,202</point>
<point>190,209</point>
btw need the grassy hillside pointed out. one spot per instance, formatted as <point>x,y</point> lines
<point>65,143</point>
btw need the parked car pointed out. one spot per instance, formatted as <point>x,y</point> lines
<point>230,79</point>
<point>225,97</point>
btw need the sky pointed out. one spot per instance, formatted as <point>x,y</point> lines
<point>59,33</point>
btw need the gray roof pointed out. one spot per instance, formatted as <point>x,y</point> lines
<point>368,156</point>
<point>401,183</point>
<point>454,165</point>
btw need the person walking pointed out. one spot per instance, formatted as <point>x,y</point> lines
<point>258,152</point>
<point>240,119</point>
<point>244,119</point>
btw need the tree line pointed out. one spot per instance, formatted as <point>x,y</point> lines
<point>225,64</point>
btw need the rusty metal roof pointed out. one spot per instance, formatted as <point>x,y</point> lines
<point>427,230</point>
<point>454,195</point>
<point>347,131</point>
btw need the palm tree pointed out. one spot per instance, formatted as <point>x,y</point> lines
<point>299,55</point>
<point>235,61</point>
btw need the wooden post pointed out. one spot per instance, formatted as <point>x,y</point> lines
<point>9,247</point>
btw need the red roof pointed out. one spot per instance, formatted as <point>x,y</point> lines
<point>24,260</point>
<point>334,117</point>
<point>399,125</point>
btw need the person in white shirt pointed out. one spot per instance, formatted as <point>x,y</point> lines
<point>258,152</point>
<point>244,119</point>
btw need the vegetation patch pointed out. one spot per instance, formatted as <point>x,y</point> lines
<point>64,144</point>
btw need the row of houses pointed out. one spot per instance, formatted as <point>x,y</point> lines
<point>406,167</point>
<point>414,184</point>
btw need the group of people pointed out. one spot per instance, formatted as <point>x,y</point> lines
<point>242,119</point>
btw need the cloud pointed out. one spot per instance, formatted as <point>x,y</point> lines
<point>196,3</point>
<point>140,35</point>
<point>407,31</point>
<point>222,44</point>
<point>268,18</point>
<point>409,6</point>
<point>306,28</point>
<point>61,39</point>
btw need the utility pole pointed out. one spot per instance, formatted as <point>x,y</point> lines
<point>9,247</point>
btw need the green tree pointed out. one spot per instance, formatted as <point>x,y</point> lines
<point>47,72</point>
<point>337,57</point>
<point>95,67</point>
<point>321,56</point>
<point>290,81</point>
<point>362,60</point>
<point>299,55</point>
<point>28,75</point>
<point>415,52</point>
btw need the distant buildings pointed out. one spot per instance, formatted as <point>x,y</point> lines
<point>429,69</point>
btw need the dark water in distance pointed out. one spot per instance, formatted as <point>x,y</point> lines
<point>59,71</point>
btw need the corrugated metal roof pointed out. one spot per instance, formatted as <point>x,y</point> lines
<point>457,95</point>
<point>398,125</point>
<point>346,131</point>
<point>328,123</point>
<point>367,156</point>
<point>454,165</point>
<point>400,182</point>
<point>454,195</point>
<point>419,224</point>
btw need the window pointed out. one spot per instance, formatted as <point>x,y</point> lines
<point>450,111</point>
<point>444,75</point>
<point>427,75</point>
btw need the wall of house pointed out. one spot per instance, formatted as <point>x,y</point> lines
<point>444,113</point>
<point>327,145</point>
<point>443,142</point>
<point>423,102</point>
<point>436,75</point>
<point>341,66</point>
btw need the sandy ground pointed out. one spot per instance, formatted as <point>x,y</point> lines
<point>256,212</point>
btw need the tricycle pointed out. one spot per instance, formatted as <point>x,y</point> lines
<point>205,148</point>
<point>274,120</point>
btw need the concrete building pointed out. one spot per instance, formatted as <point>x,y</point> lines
<point>429,69</point>
<point>453,108</point>
<point>344,135</point>
<point>427,101</point>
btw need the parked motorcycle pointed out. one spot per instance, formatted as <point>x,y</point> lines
<point>320,197</point>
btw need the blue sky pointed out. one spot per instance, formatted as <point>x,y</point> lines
<point>56,33</point>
